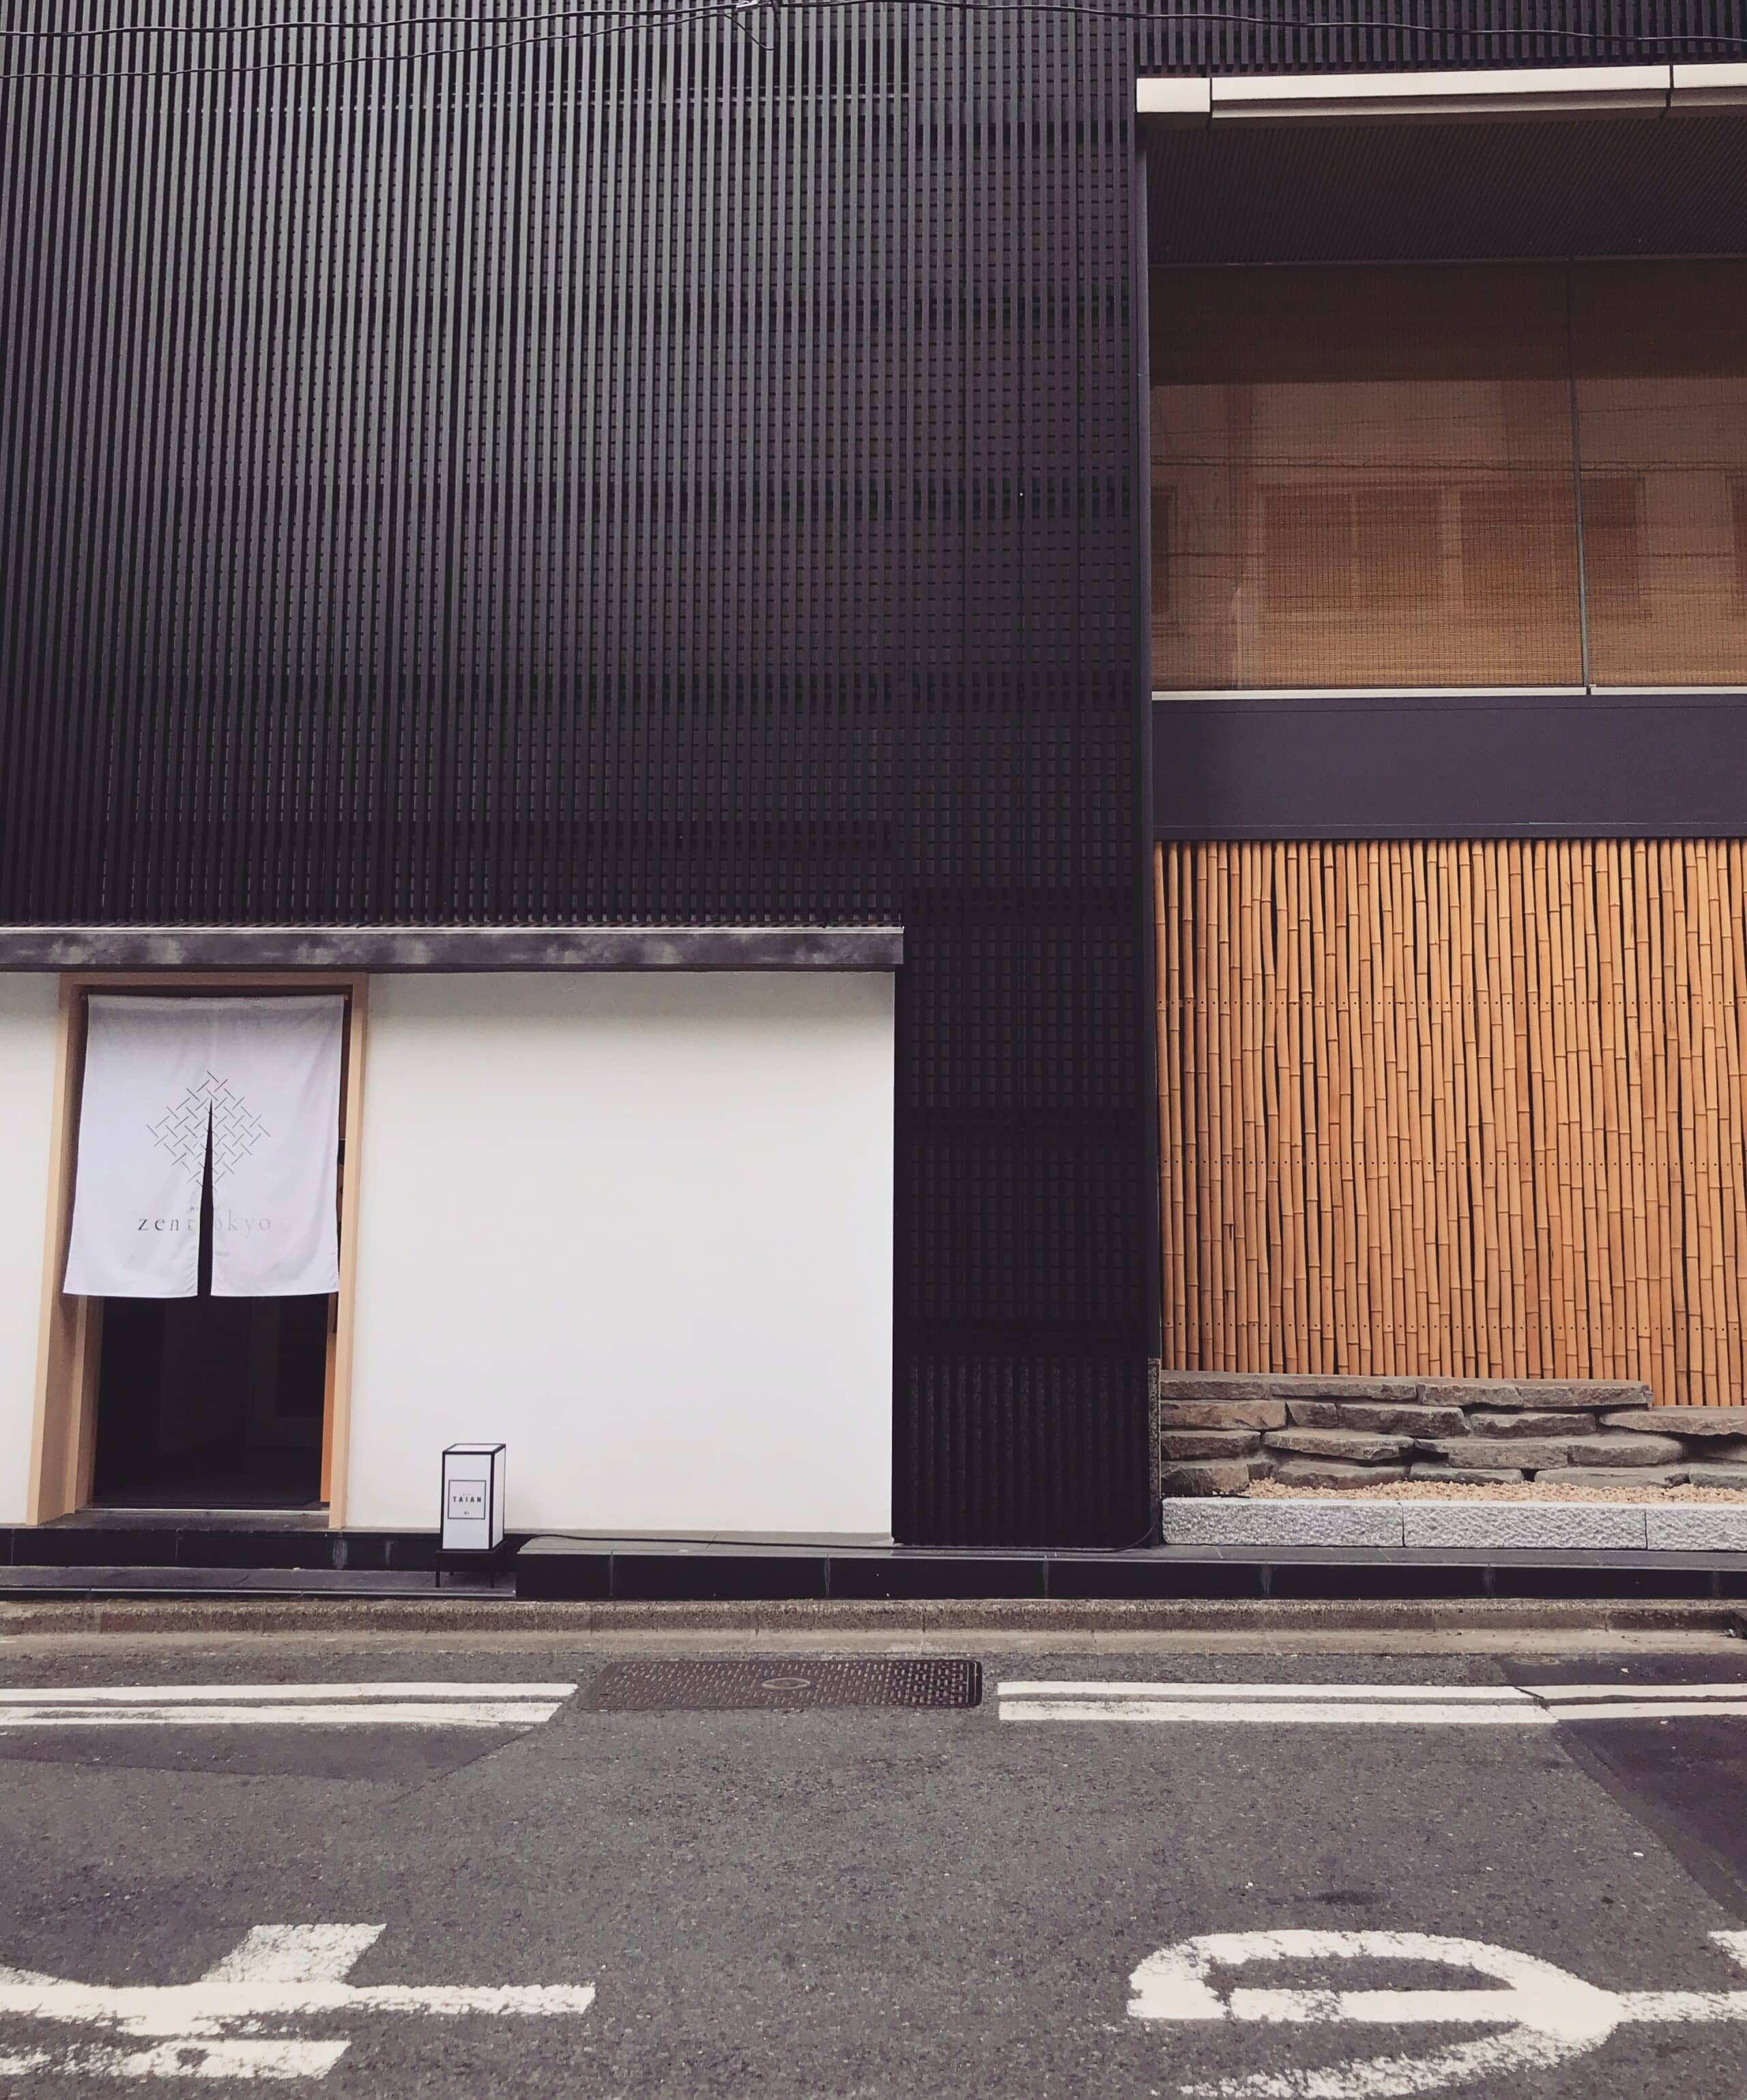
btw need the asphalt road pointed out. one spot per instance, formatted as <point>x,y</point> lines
<point>859,1904</point>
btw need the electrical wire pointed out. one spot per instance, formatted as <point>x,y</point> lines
<point>1414,26</point>
<point>728,10</point>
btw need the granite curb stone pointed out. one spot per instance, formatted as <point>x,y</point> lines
<point>1696,1527</point>
<point>1573,1527</point>
<point>1282,1524</point>
<point>1576,1525</point>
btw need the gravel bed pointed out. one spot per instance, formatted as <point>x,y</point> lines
<point>1491,1491</point>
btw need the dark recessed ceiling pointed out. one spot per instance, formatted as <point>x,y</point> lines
<point>1334,193</point>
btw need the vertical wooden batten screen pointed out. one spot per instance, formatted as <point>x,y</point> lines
<point>1465,1109</point>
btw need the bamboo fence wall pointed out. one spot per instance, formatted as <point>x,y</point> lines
<point>1468,1109</point>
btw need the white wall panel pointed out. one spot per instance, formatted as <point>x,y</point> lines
<point>639,1227</point>
<point>27,1008</point>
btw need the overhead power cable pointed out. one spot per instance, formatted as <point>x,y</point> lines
<point>1410,25</point>
<point>580,24</point>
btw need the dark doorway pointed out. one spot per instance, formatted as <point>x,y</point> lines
<point>211,1403</point>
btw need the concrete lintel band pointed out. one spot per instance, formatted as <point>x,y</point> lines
<point>408,948</point>
<point>1190,101</point>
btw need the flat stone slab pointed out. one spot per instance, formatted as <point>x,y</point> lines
<point>1218,1385</point>
<point>1467,1476</point>
<point>1224,1477</point>
<point>1702,1473</point>
<point>1529,1453</point>
<point>1575,1525</point>
<point>1269,1523</point>
<point>1617,1477</point>
<point>1336,1473</point>
<point>1696,1527</point>
<point>1528,1422</point>
<point>1356,1446</point>
<point>1222,1413</point>
<point>1314,1413</point>
<point>1384,1418</point>
<point>1607,1448</point>
<point>1302,1385</point>
<point>1680,1421</point>
<point>1573,1395</point>
<point>1174,1445</point>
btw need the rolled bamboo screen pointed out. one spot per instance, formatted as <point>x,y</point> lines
<point>1370,474</point>
<point>1458,1108</point>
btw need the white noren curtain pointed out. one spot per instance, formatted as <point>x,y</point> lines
<point>262,1076</point>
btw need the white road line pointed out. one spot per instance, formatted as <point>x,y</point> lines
<point>279,1976</point>
<point>1105,1688</point>
<point>159,1695</point>
<point>421,1713</point>
<point>1338,1705</point>
<point>1544,2016</point>
<point>1727,1688</point>
<point>1333,1714</point>
<point>374,1704</point>
<point>1652,1709</point>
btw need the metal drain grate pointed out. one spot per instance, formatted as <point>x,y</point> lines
<point>705,1688</point>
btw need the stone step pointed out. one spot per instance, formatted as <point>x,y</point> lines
<point>1680,1421</point>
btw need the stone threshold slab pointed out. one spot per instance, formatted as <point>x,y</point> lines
<point>1612,1527</point>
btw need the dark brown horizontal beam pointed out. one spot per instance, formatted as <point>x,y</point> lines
<point>402,948</point>
<point>1451,765</point>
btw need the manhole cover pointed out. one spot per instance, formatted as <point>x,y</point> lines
<point>703,1687</point>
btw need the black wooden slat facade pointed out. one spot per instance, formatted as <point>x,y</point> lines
<point>685,474</point>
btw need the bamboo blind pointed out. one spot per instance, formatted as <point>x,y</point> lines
<point>1370,475</point>
<point>1456,1109</point>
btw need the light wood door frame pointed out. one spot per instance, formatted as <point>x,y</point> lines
<point>64,1431</point>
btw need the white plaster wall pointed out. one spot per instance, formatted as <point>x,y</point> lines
<point>28,1009</point>
<point>639,1228</point>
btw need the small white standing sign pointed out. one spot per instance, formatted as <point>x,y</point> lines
<point>473,1498</point>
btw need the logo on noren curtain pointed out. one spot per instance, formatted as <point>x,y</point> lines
<point>236,1130</point>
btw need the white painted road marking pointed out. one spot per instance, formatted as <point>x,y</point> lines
<point>95,1694</point>
<point>1547,2015</point>
<point>1348,1705</point>
<point>278,1976</point>
<point>442,1706</point>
